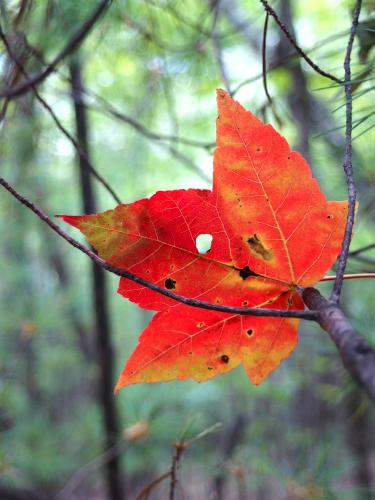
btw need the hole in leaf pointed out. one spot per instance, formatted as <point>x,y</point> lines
<point>224,358</point>
<point>203,243</point>
<point>200,324</point>
<point>245,302</point>
<point>170,284</point>
<point>330,216</point>
<point>249,332</point>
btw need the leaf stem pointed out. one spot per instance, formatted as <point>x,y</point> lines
<point>350,276</point>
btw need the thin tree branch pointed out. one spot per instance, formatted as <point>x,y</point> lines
<point>264,62</point>
<point>71,46</point>
<point>356,353</point>
<point>139,127</point>
<point>308,315</point>
<point>360,250</point>
<point>179,448</point>
<point>362,258</point>
<point>277,64</point>
<point>144,494</point>
<point>348,167</point>
<point>68,490</point>
<point>59,125</point>
<point>303,54</point>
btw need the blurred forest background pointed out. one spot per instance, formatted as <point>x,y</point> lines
<point>138,94</point>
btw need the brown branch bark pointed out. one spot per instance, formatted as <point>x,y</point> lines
<point>104,349</point>
<point>357,356</point>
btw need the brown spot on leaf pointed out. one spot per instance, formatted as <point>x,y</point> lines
<point>200,324</point>
<point>245,272</point>
<point>258,248</point>
<point>245,302</point>
<point>330,216</point>
<point>224,358</point>
<point>170,284</point>
<point>249,332</point>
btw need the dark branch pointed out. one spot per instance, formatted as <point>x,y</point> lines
<point>264,61</point>
<point>360,250</point>
<point>70,47</point>
<point>59,125</point>
<point>308,315</point>
<point>348,167</point>
<point>179,448</point>
<point>303,54</point>
<point>357,355</point>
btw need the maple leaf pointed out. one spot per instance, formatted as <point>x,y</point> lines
<point>272,230</point>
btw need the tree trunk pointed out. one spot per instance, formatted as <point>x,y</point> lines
<point>105,358</point>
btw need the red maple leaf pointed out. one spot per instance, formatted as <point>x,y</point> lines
<point>272,230</point>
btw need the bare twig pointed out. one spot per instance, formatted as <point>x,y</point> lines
<point>360,250</point>
<point>86,470</point>
<point>58,123</point>
<point>309,315</point>
<point>302,53</point>
<point>144,494</point>
<point>348,167</point>
<point>365,260</point>
<point>74,42</point>
<point>280,62</point>
<point>139,127</point>
<point>264,62</point>
<point>179,448</point>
